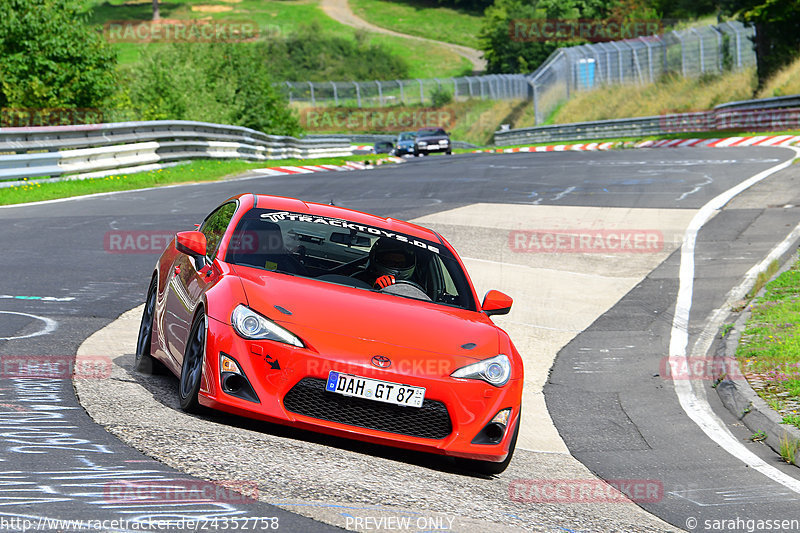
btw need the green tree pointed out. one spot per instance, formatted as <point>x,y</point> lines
<point>509,40</point>
<point>777,24</point>
<point>309,54</point>
<point>226,83</point>
<point>50,58</point>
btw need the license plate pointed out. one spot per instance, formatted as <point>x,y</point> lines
<point>374,389</point>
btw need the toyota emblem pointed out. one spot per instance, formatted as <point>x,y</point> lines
<point>381,361</point>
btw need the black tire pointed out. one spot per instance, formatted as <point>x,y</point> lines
<point>416,152</point>
<point>449,152</point>
<point>145,362</point>
<point>192,367</point>
<point>489,468</point>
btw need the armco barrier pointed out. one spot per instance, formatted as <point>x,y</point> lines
<point>767,114</point>
<point>370,138</point>
<point>94,150</point>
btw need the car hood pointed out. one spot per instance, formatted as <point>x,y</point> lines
<point>430,138</point>
<point>322,312</point>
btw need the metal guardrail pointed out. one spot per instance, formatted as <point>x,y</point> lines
<point>763,103</point>
<point>767,114</point>
<point>96,150</point>
<point>370,138</point>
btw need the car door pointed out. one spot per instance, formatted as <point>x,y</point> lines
<point>189,280</point>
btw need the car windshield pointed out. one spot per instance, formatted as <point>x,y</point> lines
<point>338,251</point>
<point>407,136</point>
<point>431,132</point>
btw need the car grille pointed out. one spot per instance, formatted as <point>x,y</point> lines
<point>309,398</point>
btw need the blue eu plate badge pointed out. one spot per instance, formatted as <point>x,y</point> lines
<point>333,378</point>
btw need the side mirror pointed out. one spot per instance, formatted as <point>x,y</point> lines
<point>496,303</point>
<point>191,243</point>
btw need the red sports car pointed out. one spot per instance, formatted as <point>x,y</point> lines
<point>335,321</point>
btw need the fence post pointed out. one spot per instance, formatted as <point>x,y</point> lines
<point>358,93</point>
<point>289,85</point>
<point>380,94</point>
<point>719,47</point>
<point>536,120</point>
<point>683,54</point>
<point>335,94</point>
<point>636,65</point>
<point>402,96</point>
<point>738,48</point>
<point>649,58</point>
<point>421,93</point>
<point>469,84</point>
<point>621,77</point>
<point>311,86</point>
<point>455,88</point>
<point>702,58</point>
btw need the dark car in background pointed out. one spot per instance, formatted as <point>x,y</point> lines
<point>383,147</point>
<point>405,143</point>
<point>431,140</point>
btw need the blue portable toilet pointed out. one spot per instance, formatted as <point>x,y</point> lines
<point>585,73</point>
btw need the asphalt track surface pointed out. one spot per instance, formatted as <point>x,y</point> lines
<point>619,419</point>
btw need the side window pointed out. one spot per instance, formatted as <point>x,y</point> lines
<point>449,285</point>
<point>215,225</point>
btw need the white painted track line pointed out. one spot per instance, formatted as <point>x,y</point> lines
<point>695,406</point>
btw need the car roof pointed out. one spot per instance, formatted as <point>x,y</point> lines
<point>266,201</point>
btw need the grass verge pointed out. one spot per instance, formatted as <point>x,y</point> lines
<point>671,94</point>
<point>424,18</point>
<point>769,350</point>
<point>195,171</point>
<point>473,121</point>
<point>274,19</point>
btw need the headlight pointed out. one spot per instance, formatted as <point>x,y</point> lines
<point>251,325</point>
<point>494,371</point>
<point>423,143</point>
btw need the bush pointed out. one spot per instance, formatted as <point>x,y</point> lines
<point>441,96</point>
<point>50,58</point>
<point>226,83</point>
<point>311,55</point>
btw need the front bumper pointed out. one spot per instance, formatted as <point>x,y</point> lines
<point>289,384</point>
<point>433,148</point>
<point>404,150</point>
